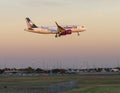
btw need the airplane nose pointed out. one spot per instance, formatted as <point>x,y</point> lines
<point>84,29</point>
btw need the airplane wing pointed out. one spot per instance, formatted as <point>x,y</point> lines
<point>59,28</point>
<point>62,31</point>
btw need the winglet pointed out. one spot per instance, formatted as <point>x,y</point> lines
<point>56,24</point>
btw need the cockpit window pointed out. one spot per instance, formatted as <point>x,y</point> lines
<point>82,26</point>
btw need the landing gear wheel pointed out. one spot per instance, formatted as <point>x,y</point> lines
<point>56,36</point>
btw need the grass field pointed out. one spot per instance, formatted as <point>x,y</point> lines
<point>39,84</point>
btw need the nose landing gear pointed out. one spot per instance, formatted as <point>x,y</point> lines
<point>78,33</point>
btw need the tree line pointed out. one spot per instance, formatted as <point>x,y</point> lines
<point>56,70</point>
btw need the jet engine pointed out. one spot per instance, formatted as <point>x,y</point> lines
<point>66,32</point>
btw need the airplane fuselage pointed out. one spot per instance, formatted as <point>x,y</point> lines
<point>58,30</point>
<point>47,30</point>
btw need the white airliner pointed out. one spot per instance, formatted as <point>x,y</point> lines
<point>57,30</point>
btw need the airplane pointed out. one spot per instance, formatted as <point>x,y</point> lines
<point>57,30</point>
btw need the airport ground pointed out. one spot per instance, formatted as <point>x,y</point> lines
<point>40,84</point>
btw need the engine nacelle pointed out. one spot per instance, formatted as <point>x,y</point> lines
<point>66,32</point>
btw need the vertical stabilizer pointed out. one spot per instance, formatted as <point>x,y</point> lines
<point>30,24</point>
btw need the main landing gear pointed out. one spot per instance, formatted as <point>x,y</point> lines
<point>56,36</point>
